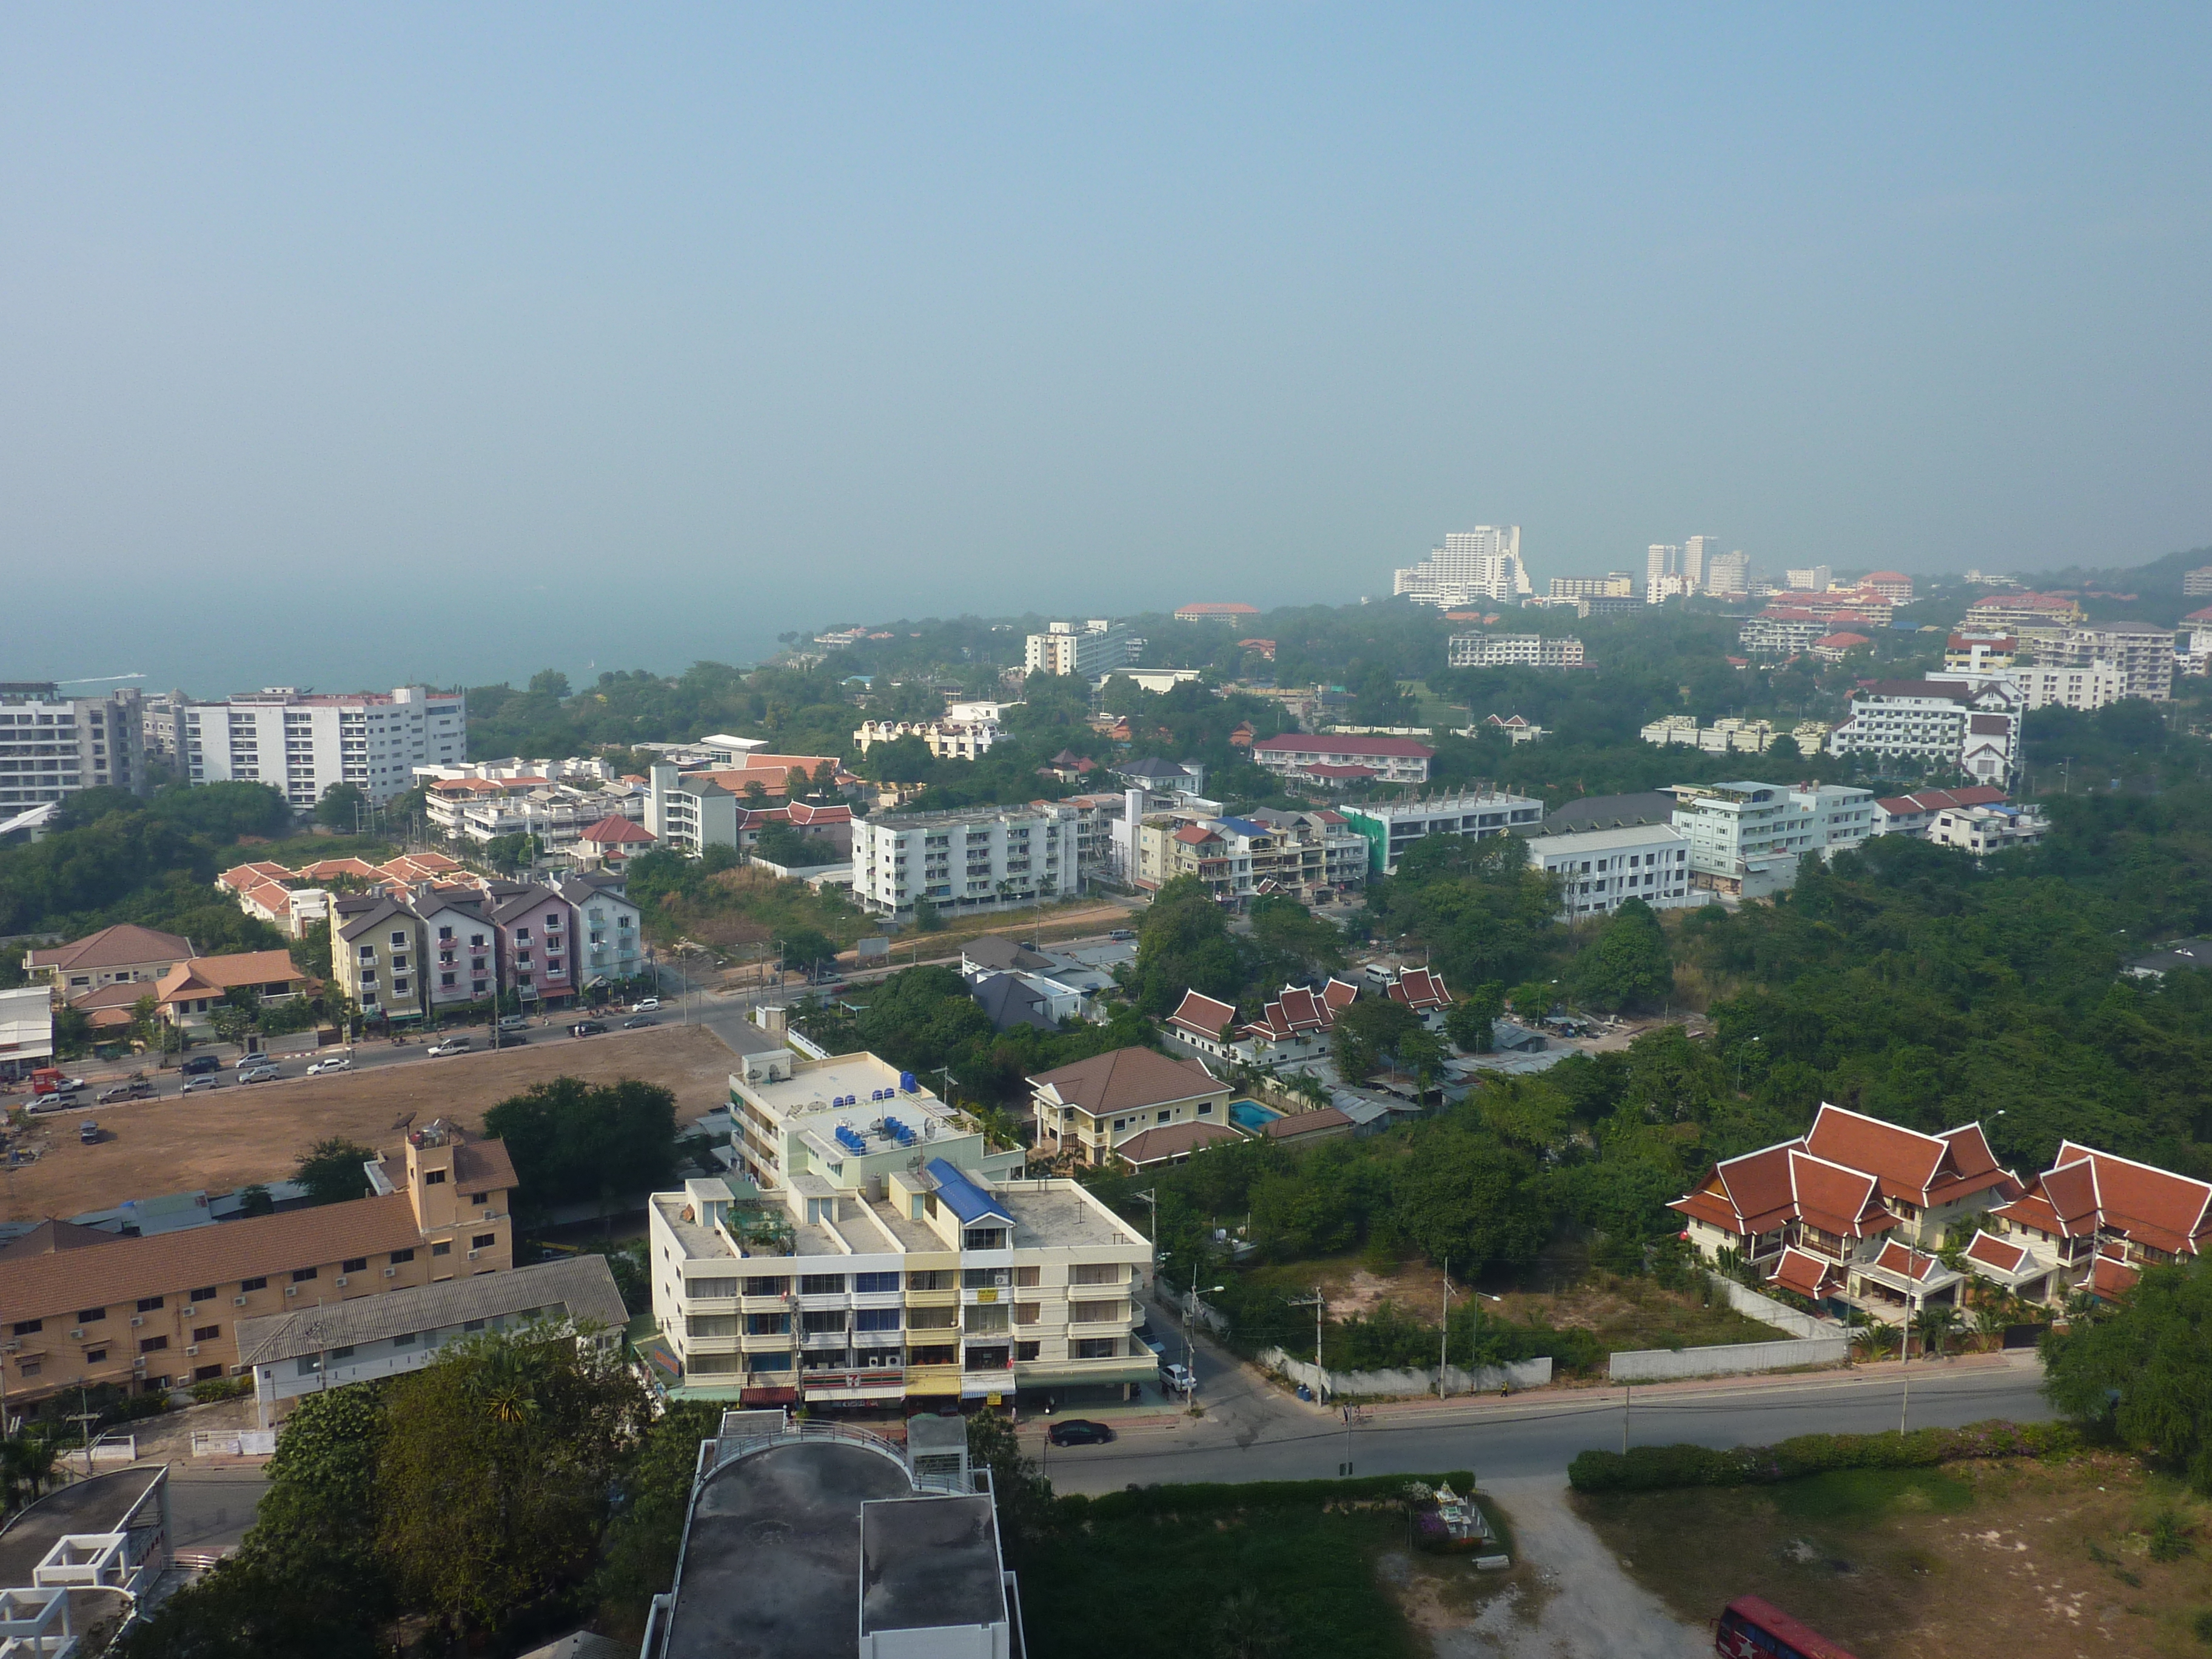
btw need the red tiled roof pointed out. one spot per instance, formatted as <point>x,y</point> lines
<point>1915,1264</point>
<point>1339,994</point>
<point>2137,1197</point>
<point>1202,1016</point>
<point>1757,1187</point>
<point>1305,1123</point>
<point>615,829</point>
<point>1127,1077</point>
<point>123,946</point>
<point>1835,1200</point>
<point>1173,1140</point>
<point>2112,1279</point>
<point>1840,642</point>
<point>1995,1252</point>
<point>1421,990</point>
<point>1192,835</point>
<point>1988,725</point>
<point>1810,1276</point>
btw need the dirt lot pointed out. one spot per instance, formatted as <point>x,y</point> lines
<point>2030,1560</point>
<point>1625,1313</point>
<point>234,1136</point>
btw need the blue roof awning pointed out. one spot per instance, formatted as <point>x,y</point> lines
<point>964,1197</point>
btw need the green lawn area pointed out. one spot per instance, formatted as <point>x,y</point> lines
<point>1435,711</point>
<point>1127,1561</point>
<point>1624,1312</point>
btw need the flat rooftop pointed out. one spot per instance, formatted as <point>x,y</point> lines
<point>814,1084</point>
<point>927,1563</point>
<point>697,1241</point>
<point>1045,1218</point>
<point>771,1568</point>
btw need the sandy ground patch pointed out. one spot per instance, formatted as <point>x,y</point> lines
<point>234,1136</point>
<point>2028,1560</point>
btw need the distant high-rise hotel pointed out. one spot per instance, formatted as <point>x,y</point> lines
<point>1483,563</point>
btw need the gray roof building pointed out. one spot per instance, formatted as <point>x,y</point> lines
<point>1609,812</point>
<point>580,1289</point>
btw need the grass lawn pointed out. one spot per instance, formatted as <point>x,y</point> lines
<point>1434,710</point>
<point>2018,1558</point>
<point>1624,1312</point>
<point>1146,1583</point>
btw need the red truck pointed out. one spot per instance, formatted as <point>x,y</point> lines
<point>1754,1629</point>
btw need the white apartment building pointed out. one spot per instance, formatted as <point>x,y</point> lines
<point>481,811</point>
<point>1974,729</point>
<point>1782,631</point>
<point>689,813</point>
<point>53,746</point>
<point>947,739</point>
<point>1727,576</point>
<point>1598,869</point>
<point>2141,653</point>
<point>1843,816</point>
<point>2092,685</point>
<point>976,858</point>
<point>868,1246</point>
<point>1746,837</point>
<point>1391,827</point>
<point>1613,585</point>
<point>302,742</point>
<point>1980,829</point>
<point>1096,647</point>
<point>1812,578</point>
<point>1482,563</point>
<point>1514,650</point>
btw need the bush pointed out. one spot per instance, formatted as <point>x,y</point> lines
<point>1657,1469</point>
<point>1212,1498</point>
<point>220,1388</point>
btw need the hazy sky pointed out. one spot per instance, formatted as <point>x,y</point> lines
<point>345,345</point>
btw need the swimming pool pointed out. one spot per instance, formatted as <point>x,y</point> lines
<point>1250,1114</point>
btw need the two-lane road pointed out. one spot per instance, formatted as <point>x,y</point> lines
<point>1539,1434</point>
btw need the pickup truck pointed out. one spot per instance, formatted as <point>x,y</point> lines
<point>136,1088</point>
<point>458,1045</point>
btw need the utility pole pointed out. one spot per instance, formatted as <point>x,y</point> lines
<point>1627,1392</point>
<point>1444,1333</point>
<point>1317,1303</point>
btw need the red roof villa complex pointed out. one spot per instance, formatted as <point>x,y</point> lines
<point>1392,760</point>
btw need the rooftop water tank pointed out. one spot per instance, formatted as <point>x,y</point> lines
<point>907,1082</point>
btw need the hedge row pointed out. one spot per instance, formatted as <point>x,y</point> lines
<point>1208,1498</point>
<point>1655,1469</point>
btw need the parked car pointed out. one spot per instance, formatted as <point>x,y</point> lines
<point>644,1004</point>
<point>1122,932</point>
<point>1178,1379</point>
<point>586,1028</point>
<point>69,1085</point>
<point>331,1063</point>
<point>638,1022</point>
<point>88,1133</point>
<point>200,1085</point>
<point>264,1072</point>
<point>136,1089</point>
<point>200,1066</point>
<point>512,1022</point>
<point>1079,1431</point>
<point>509,1039</point>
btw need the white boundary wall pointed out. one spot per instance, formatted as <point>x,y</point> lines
<point>1520,1374</point>
<point>1728,1359</point>
<point>1767,1312</point>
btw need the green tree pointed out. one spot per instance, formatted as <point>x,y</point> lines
<point>805,948</point>
<point>2144,1370</point>
<point>550,683</point>
<point>1471,1022</point>
<point>340,807</point>
<point>331,1171</point>
<point>1022,1495</point>
<point>308,1578</point>
<point>1293,943</point>
<point>647,1533</point>
<point>1183,944</point>
<point>1368,1034</point>
<point>574,1141</point>
<point>1627,966</point>
<point>498,1471</point>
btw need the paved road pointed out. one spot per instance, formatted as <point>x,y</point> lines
<point>1251,1431</point>
<point>210,1508</point>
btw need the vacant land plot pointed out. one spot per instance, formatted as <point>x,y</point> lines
<point>235,1136</point>
<point>1623,1313</point>
<point>2030,1560</point>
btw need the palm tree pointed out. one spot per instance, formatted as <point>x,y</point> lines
<point>1873,1340</point>
<point>1935,1322</point>
<point>998,1126</point>
<point>1990,1322</point>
